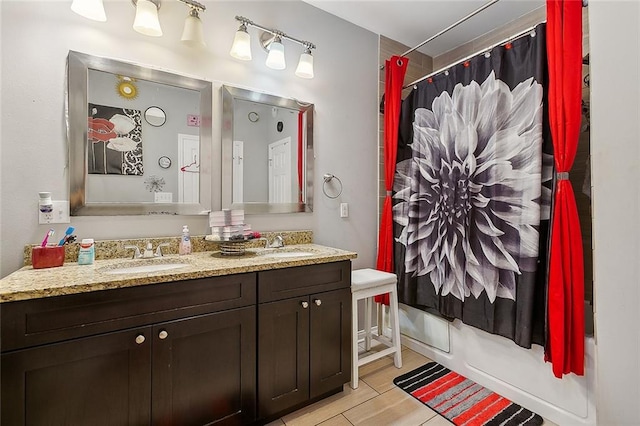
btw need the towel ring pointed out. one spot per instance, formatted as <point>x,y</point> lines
<point>328,177</point>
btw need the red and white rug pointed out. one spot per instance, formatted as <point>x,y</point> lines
<point>463,401</point>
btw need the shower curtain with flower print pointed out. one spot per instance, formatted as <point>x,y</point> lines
<point>472,192</point>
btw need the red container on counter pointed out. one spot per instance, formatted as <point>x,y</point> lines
<point>47,257</point>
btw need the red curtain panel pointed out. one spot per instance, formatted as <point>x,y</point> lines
<point>395,69</point>
<point>565,341</point>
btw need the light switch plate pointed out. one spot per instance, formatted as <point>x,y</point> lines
<point>344,210</point>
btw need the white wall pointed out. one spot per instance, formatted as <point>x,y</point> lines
<point>37,35</point>
<point>615,164</point>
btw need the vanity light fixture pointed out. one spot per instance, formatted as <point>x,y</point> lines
<point>271,41</point>
<point>146,21</point>
<point>241,48</point>
<point>193,35</point>
<point>90,9</point>
<point>305,65</point>
<point>275,58</point>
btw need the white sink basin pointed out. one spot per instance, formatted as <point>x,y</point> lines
<point>280,254</point>
<point>145,268</point>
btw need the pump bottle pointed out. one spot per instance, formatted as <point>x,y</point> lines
<point>185,241</point>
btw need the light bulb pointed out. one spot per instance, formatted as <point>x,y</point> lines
<point>193,35</point>
<point>241,47</point>
<point>305,65</point>
<point>91,9</point>
<point>146,21</point>
<point>275,59</point>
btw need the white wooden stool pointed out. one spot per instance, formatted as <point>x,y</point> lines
<point>365,284</point>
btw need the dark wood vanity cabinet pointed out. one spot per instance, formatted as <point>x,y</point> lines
<point>304,335</point>
<point>203,371</point>
<point>187,356</point>
<point>100,380</point>
<point>194,352</point>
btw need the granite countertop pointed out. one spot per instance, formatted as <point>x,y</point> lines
<point>28,283</point>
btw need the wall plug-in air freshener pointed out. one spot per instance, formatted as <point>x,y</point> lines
<point>45,207</point>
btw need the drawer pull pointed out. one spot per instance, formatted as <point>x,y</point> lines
<point>140,339</point>
<point>318,302</point>
<point>304,304</point>
<point>163,335</point>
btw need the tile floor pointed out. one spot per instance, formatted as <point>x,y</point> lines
<point>376,402</point>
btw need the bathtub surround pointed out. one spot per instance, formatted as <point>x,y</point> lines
<point>521,374</point>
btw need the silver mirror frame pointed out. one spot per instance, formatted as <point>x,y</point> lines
<point>229,94</point>
<point>79,65</point>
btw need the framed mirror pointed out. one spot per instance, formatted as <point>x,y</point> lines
<point>122,117</point>
<point>267,152</point>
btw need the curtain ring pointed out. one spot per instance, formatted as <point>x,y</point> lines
<point>328,177</point>
<point>399,62</point>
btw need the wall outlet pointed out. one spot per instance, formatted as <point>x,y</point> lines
<point>344,210</point>
<point>163,197</point>
<point>59,214</point>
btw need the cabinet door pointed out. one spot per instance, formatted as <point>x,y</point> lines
<point>330,341</point>
<point>204,369</point>
<point>102,380</point>
<point>283,355</point>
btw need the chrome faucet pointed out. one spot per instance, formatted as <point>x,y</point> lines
<point>277,242</point>
<point>148,251</point>
<point>159,249</point>
<point>136,253</point>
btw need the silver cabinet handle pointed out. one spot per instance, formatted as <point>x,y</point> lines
<point>318,302</point>
<point>163,335</point>
<point>140,339</point>
<point>304,305</point>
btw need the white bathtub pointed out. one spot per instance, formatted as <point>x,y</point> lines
<point>499,364</point>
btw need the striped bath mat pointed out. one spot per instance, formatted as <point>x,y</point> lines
<point>462,401</point>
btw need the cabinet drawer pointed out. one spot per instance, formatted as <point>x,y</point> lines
<point>39,321</point>
<point>303,280</point>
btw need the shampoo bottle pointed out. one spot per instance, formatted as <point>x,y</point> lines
<point>185,241</point>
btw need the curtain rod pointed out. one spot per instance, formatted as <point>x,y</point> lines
<point>466,58</point>
<point>450,27</point>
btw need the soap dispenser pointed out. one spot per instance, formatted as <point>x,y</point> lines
<point>185,241</point>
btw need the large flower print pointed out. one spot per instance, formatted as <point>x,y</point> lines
<point>114,134</point>
<point>471,193</point>
<point>100,130</point>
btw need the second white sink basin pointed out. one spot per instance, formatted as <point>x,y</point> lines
<point>146,268</point>
<point>280,254</point>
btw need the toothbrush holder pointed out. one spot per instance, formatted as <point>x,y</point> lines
<point>47,257</point>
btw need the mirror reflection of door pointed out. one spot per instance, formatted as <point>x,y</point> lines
<point>238,170</point>
<point>189,170</point>
<point>280,171</point>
